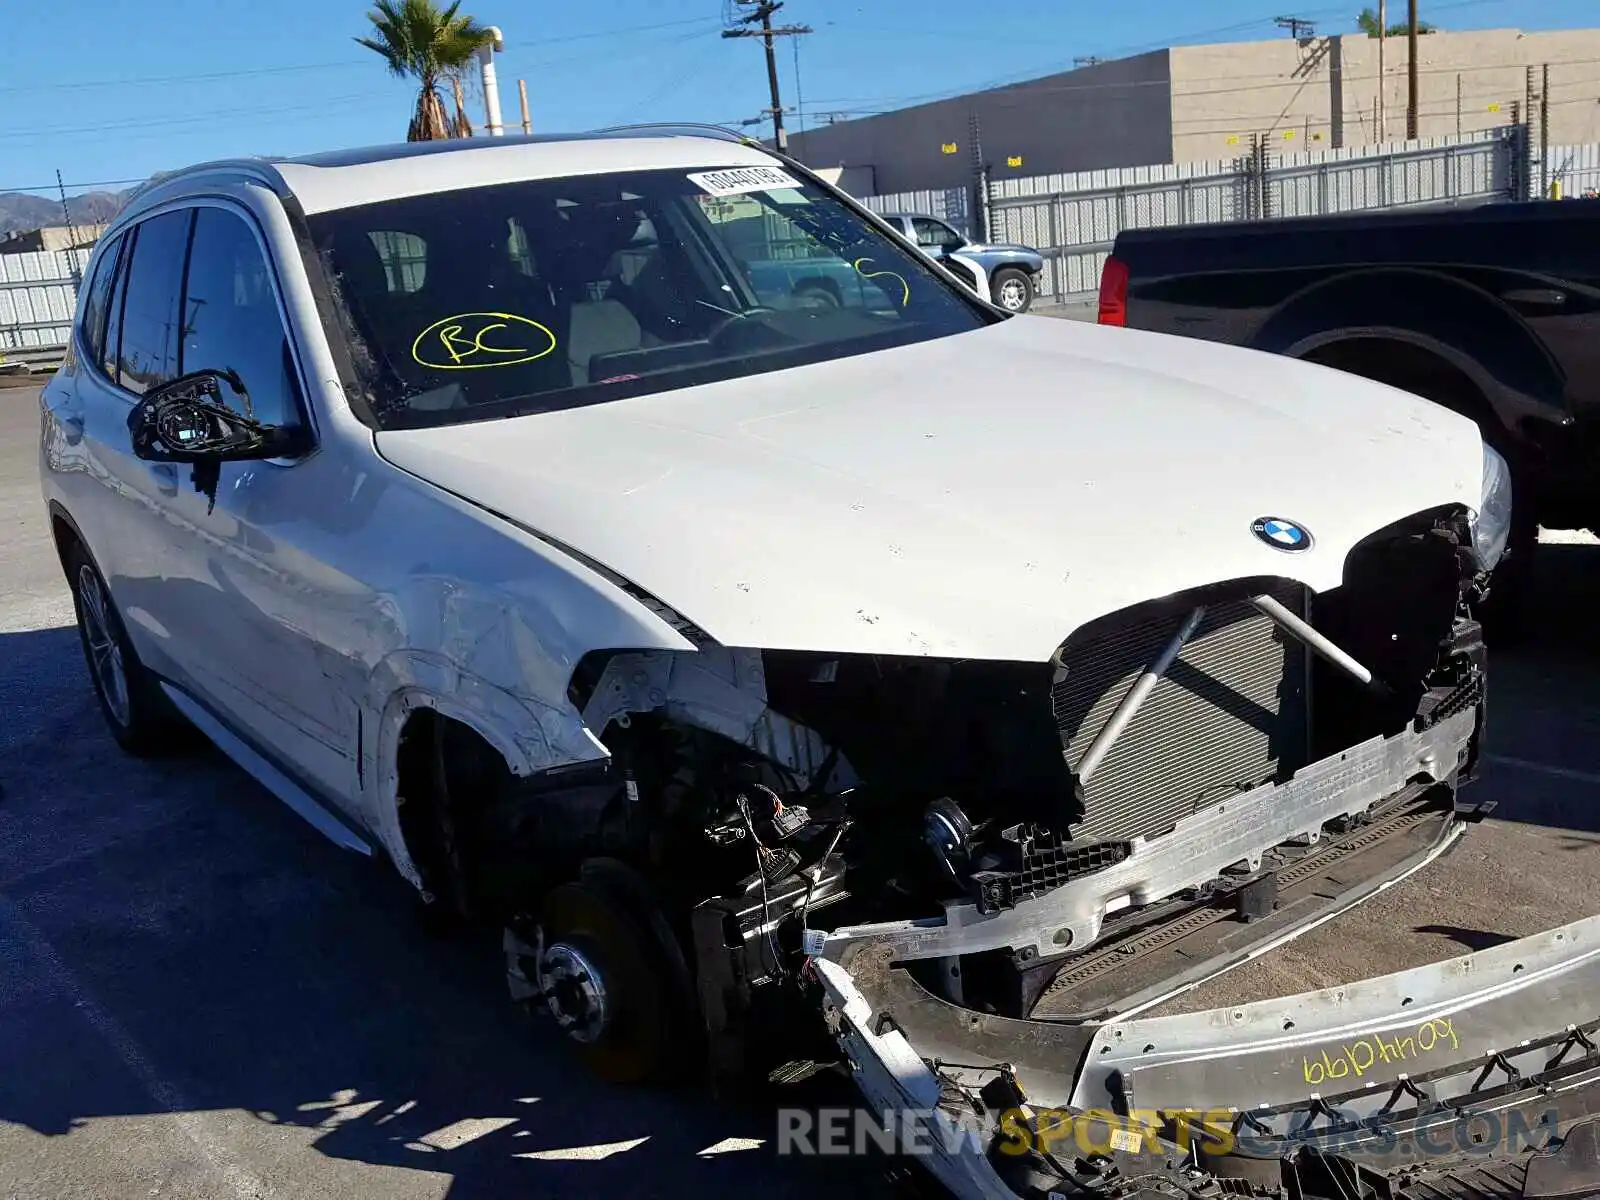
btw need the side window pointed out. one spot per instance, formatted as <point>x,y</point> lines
<point>231,318</point>
<point>932,233</point>
<point>149,354</point>
<point>112,349</point>
<point>92,328</point>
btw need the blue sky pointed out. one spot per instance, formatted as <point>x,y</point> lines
<point>138,88</point>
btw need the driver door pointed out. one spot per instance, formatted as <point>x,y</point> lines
<point>262,608</point>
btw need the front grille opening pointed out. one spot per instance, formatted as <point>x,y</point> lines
<point>1230,714</point>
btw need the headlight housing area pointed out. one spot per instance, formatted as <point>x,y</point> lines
<point>1491,524</point>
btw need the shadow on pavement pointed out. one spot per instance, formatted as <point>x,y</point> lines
<point>172,939</point>
<point>1473,939</point>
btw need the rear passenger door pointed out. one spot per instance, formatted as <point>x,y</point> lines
<point>121,503</point>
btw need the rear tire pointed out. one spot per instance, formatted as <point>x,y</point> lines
<point>1012,290</point>
<point>137,712</point>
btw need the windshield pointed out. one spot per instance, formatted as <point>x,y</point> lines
<point>545,294</point>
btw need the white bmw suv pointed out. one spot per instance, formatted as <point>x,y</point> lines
<point>513,510</point>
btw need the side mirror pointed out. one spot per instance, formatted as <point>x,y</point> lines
<point>952,246</point>
<point>191,420</point>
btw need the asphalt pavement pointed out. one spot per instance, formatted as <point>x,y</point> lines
<point>200,997</point>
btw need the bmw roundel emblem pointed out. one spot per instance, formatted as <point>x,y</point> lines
<point>1282,534</point>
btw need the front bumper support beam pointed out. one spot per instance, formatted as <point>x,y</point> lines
<point>1198,849</point>
<point>1393,1074</point>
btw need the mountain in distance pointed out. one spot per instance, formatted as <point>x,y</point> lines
<point>29,210</point>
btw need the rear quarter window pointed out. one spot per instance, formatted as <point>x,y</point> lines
<point>92,324</point>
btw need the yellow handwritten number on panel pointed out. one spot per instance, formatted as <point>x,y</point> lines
<point>468,341</point>
<point>905,299</point>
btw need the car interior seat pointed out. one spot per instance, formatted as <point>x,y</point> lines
<point>587,282</point>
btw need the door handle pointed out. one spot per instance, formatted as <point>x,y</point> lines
<point>166,478</point>
<point>1548,297</point>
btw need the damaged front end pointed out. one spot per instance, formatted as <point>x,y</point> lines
<point>1475,1077</point>
<point>983,873</point>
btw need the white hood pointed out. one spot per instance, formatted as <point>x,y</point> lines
<point>979,496</point>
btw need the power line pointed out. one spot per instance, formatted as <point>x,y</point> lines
<point>1176,85</point>
<point>1011,79</point>
<point>192,119</point>
<point>758,23</point>
<point>341,64</point>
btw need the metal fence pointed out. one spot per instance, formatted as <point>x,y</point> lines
<point>1576,169</point>
<point>1074,219</point>
<point>38,292</point>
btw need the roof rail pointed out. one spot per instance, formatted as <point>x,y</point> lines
<point>681,129</point>
<point>261,170</point>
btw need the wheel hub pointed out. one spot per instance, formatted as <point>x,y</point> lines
<point>574,990</point>
<point>1011,294</point>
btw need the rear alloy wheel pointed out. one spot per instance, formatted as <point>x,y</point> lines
<point>140,717</point>
<point>599,973</point>
<point>1012,289</point>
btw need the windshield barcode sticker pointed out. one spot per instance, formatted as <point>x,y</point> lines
<point>737,181</point>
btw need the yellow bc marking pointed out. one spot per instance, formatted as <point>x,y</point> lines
<point>464,342</point>
<point>1357,1058</point>
<point>906,287</point>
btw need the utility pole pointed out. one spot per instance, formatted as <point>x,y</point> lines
<point>1383,35</point>
<point>72,233</point>
<point>1298,27</point>
<point>758,23</point>
<point>1411,71</point>
<point>522,93</point>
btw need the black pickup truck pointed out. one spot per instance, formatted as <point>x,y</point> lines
<point>1493,311</point>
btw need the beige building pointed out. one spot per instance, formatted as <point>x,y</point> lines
<point>1200,103</point>
<point>51,237</point>
<point>1324,92</point>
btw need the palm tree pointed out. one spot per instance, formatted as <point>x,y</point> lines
<point>429,43</point>
<point>1367,23</point>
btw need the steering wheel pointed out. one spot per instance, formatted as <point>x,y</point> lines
<point>736,321</point>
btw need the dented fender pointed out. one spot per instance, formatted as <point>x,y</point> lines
<point>531,736</point>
